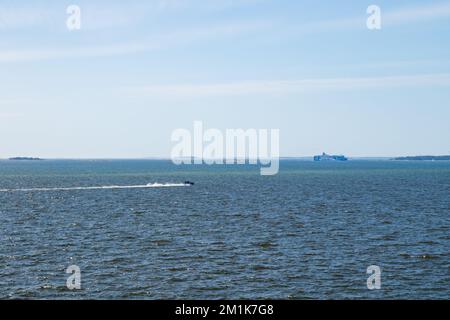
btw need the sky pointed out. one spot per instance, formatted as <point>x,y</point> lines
<point>136,71</point>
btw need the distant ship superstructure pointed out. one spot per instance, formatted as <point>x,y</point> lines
<point>328,157</point>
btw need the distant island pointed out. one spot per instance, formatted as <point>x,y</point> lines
<point>25,158</point>
<point>328,157</point>
<point>424,158</point>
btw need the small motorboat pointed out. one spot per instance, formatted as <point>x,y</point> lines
<point>189,183</point>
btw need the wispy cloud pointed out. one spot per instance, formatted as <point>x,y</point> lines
<point>94,16</point>
<point>80,52</point>
<point>100,16</point>
<point>204,4</point>
<point>97,15</point>
<point>390,17</point>
<point>292,86</point>
<point>21,17</point>
<point>417,13</point>
<point>175,38</point>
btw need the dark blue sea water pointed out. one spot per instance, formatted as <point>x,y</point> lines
<point>309,232</point>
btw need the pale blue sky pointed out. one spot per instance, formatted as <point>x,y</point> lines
<point>138,70</point>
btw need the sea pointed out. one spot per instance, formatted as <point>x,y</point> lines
<point>135,231</point>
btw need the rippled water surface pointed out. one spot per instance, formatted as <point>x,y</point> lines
<point>309,232</point>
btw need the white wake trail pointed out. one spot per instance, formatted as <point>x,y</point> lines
<point>144,186</point>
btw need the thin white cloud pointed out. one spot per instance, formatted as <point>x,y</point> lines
<point>13,18</point>
<point>389,17</point>
<point>291,86</point>
<point>82,52</point>
<point>113,16</point>
<point>157,42</point>
<point>100,15</point>
<point>204,4</point>
<point>93,16</point>
<point>418,13</point>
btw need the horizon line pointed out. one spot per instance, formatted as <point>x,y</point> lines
<point>208,159</point>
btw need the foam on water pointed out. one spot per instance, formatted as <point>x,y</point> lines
<point>144,186</point>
